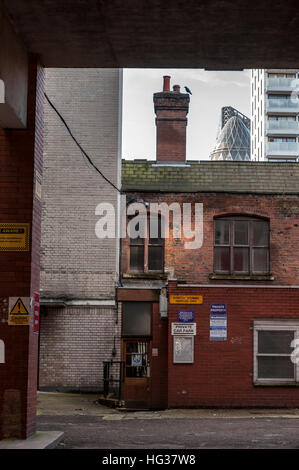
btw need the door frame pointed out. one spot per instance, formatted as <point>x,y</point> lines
<point>144,339</point>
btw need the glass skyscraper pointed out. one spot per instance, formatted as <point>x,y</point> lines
<point>233,140</point>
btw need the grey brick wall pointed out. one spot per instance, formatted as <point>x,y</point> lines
<point>74,342</point>
<point>75,264</point>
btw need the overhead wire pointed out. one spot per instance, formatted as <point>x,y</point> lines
<point>85,154</point>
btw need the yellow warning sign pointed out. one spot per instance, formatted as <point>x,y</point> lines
<point>14,237</point>
<point>19,308</point>
<point>18,320</point>
<point>185,299</point>
<point>19,314</point>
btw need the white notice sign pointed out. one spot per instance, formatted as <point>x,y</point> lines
<point>183,329</point>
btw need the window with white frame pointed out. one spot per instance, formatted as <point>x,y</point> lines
<point>274,358</point>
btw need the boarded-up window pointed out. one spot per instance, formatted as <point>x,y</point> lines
<point>137,318</point>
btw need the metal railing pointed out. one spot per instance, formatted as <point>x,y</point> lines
<point>113,377</point>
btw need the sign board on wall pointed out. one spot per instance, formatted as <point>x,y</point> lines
<point>183,329</point>
<point>155,352</point>
<point>183,349</point>
<point>19,311</point>
<point>218,322</point>
<point>36,313</point>
<point>186,316</point>
<point>14,237</point>
<point>185,299</point>
<point>136,360</point>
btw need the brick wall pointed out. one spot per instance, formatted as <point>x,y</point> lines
<point>194,266</point>
<point>171,141</point>
<point>21,156</point>
<point>171,110</point>
<point>74,342</point>
<point>222,373</point>
<point>75,264</point>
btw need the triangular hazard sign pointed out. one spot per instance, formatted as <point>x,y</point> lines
<point>19,308</point>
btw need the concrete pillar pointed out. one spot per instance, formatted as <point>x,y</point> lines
<point>20,175</point>
<point>13,77</point>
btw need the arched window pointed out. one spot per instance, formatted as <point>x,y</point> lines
<point>241,245</point>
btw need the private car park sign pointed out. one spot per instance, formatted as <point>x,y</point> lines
<point>183,329</point>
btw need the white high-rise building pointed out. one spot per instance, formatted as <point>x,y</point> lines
<point>275,115</point>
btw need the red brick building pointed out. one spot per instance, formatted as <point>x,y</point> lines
<point>215,325</point>
<point>21,163</point>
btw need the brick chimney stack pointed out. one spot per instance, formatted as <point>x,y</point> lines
<point>171,108</point>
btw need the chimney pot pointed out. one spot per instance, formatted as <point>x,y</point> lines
<point>166,83</point>
<point>176,88</point>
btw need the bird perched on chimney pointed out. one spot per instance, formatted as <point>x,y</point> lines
<point>188,90</point>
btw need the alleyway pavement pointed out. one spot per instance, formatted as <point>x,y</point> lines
<point>88,425</point>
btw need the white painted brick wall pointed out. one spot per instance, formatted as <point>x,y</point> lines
<point>74,342</point>
<point>75,264</point>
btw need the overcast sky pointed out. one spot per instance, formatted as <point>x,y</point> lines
<point>210,91</point>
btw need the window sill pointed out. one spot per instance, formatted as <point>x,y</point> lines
<point>276,384</point>
<point>241,277</point>
<point>146,275</point>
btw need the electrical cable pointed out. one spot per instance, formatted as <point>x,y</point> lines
<point>132,198</point>
<point>82,149</point>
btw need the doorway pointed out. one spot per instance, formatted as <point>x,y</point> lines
<point>136,354</point>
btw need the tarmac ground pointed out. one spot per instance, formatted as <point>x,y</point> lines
<point>85,424</point>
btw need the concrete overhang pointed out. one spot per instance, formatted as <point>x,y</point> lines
<point>213,34</point>
<point>13,77</point>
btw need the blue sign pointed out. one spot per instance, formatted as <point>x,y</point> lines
<point>218,309</point>
<point>136,360</point>
<point>186,316</point>
<point>218,326</point>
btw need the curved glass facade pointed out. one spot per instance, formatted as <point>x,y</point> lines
<point>233,142</point>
